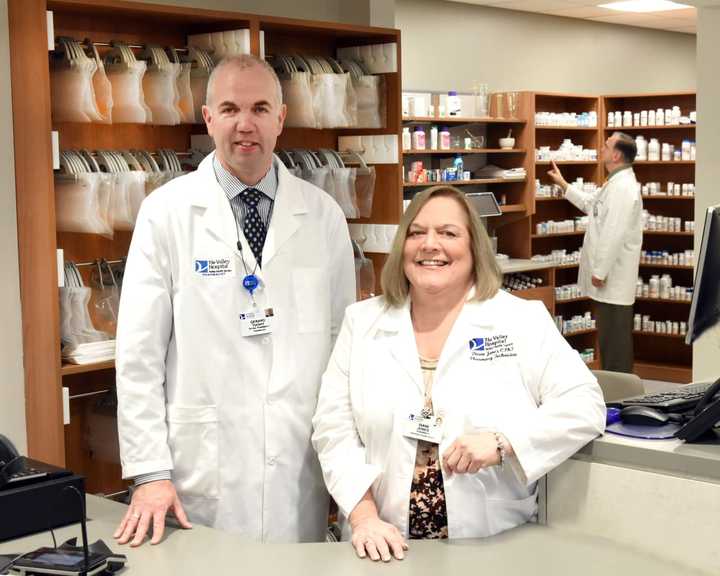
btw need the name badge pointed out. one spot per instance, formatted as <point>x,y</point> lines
<point>421,427</point>
<point>256,322</point>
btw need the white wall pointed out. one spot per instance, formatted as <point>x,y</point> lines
<point>707,349</point>
<point>12,386</point>
<point>447,45</point>
<point>348,11</point>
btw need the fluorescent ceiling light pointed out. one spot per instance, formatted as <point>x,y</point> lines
<point>644,6</point>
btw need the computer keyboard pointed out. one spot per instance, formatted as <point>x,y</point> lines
<point>682,399</point>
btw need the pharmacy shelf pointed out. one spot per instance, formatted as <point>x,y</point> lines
<point>671,198</point>
<point>460,120</point>
<point>558,234</point>
<point>468,151</point>
<point>659,334</point>
<point>464,182</point>
<point>662,371</point>
<point>575,128</point>
<point>550,199</point>
<point>566,266</point>
<point>643,128</point>
<point>666,266</point>
<point>663,300</point>
<point>570,300</point>
<point>662,233</point>
<point>509,208</point>
<point>568,162</point>
<point>664,162</point>
<point>580,332</point>
<point>68,369</point>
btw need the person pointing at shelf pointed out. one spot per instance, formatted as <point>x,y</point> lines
<point>610,255</point>
<point>236,282</point>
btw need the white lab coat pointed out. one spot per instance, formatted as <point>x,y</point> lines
<point>611,248</point>
<point>523,380</point>
<point>231,415</point>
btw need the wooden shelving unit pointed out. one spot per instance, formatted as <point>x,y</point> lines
<point>559,208</point>
<point>513,194</point>
<point>662,356</point>
<point>93,412</point>
<point>453,151</point>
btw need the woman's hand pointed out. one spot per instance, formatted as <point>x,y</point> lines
<point>471,452</point>
<point>373,537</point>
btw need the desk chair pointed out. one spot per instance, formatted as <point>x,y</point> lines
<point>618,385</point>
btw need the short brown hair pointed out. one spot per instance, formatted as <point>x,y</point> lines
<point>487,275</point>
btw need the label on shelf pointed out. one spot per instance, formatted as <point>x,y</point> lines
<point>50,30</point>
<point>66,405</point>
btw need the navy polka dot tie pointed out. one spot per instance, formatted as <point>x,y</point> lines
<point>253,226</point>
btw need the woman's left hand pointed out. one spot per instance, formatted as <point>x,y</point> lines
<point>471,452</point>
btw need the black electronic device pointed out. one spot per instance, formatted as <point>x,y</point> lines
<point>70,562</point>
<point>705,419</point>
<point>16,470</point>
<point>705,305</point>
<point>643,416</point>
<point>30,494</point>
<point>485,203</point>
<point>681,399</point>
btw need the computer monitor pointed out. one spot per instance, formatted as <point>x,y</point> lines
<point>705,307</point>
<point>485,203</point>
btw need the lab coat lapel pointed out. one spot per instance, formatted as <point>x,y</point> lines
<point>398,324</point>
<point>476,319</point>
<point>287,214</point>
<point>218,219</point>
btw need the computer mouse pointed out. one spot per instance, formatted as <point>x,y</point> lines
<point>643,416</point>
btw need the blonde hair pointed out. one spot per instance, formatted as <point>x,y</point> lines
<point>241,62</point>
<point>486,272</point>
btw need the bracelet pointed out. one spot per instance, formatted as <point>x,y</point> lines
<point>500,448</point>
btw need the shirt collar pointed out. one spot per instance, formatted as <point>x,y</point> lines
<point>619,169</point>
<point>232,186</point>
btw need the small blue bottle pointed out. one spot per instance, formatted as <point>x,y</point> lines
<point>459,167</point>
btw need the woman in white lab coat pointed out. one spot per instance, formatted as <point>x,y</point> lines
<point>446,399</point>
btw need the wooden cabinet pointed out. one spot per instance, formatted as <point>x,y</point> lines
<point>662,356</point>
<point>89,444</point>
<point>559,209</point>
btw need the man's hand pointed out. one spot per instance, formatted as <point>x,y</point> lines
<point>150,503</point>
<point>597,282</point>
<point>471,452</point>
<point>557,177</point>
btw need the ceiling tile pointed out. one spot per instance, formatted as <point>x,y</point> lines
<point>625,18</point>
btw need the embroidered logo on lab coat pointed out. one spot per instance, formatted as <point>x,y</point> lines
<point>491,348</point>
<point>213,267</point>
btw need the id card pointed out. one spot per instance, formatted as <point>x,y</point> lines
<point>420,427</point>
<point>256,322</point>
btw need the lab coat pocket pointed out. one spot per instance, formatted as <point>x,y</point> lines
<point>504,514</point>
<point>193,440</point>
<point>312,299</point>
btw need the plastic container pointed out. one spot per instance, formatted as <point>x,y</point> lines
<point>453,104</point>
<point>406,139</point>
<point>459,166</point>
<point>444,135</point>
<point>418,139</point>
<point>433,138</point>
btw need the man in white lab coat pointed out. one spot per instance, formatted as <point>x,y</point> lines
<point>235,287</point>
<point>611,249</point>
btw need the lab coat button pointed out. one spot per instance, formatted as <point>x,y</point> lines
<point>266,340</point>
<point>271,461</point>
